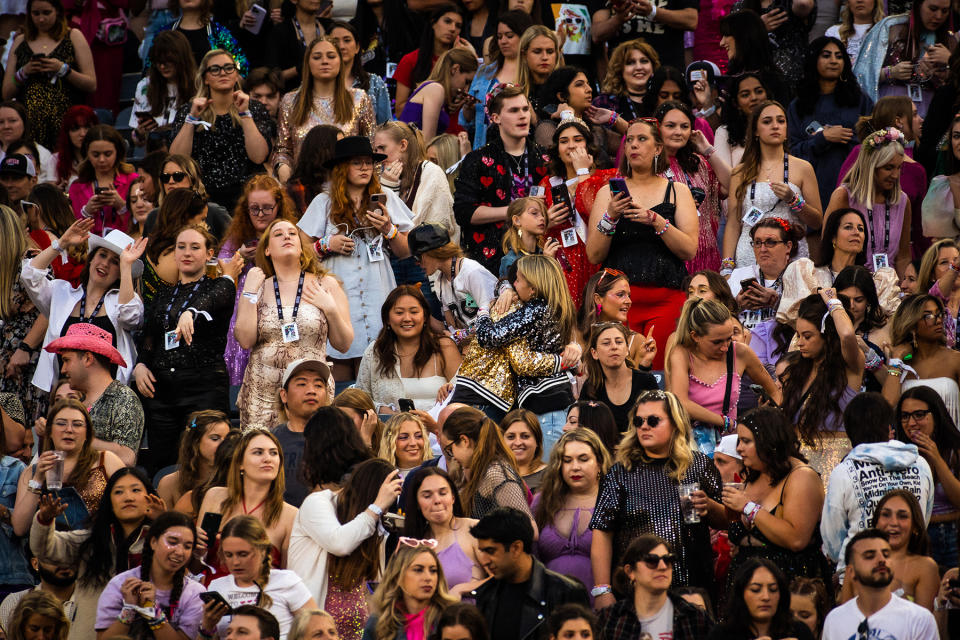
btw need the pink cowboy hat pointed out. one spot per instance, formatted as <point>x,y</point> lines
<point>83,336</point>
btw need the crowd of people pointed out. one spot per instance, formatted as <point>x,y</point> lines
<point>480,320</point>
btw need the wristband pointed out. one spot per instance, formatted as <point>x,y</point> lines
<point>158,621</point>
<point>20,76</point>
<point>606,226</point>
<point>127,616</point>
<point>245,114</point>
<point>726,424</point>
<point>613,114</point>
<point>600,589</point>
<point>394,231</point>
<point>377,510</point>
<point>872,361</point>
<point>35,487</point>
<point>653,12</point>
<point>253,298</point>
<point>64,70</point>
<point>583,171</point>
<point>709,151</point>
<point>706,113</point>
<point>796,206</point>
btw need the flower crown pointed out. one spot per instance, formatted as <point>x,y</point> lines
<point>883,136</point>
<point>493,93</point>
<point>783,223</point>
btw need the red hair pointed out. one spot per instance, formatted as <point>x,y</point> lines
<point>77,115</point>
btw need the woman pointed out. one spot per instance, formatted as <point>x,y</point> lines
<point>938,280</point>
<point>408,359</point>
<point>855,21</point>
<point>310,177</point>
<point>941,205</point>
<point>335,546</point>
<point>348,42</point>
<point>875,178</point>
<point>647,233</point>
<point>540,55</point>
<point>492,477</point>
<point>180,365</point>
<point>38,614</point>
<point>189,503</point>
<point>692,160</point>
<point>347,219</point>
<point>204,33</point>
<point>256,472</point>
<point>429,105</point>
<point>405,442</point>
<point>565,504</point>
<point>289,37</point>
<point>314,624</point>
<point>923,419</point>
<point>521,431</point>
<point>789,28</point>
<point>606,298</point>
<point>246,551</point>
<point>809,603</point>
<point>75,124</point>
<point>766,156</point>
<point>198,449</point>
<point>596,417</point>
<point>610,379</point>
<point>105,296</point>
<point>631,66</point>
<point>828,92</point>
<point>440,34</point>
<point>669,84</point>
<point>323,98</point>
<point>461,622</point>
<point>50,68</point>
<point>315,303</point>
<point>140,207</point>
<point>501,67</point>
<point>775,242</point>
<point>263,201</point>
<point>747,92</point>
<point>705,368</point>
<point>103,178</point>
<point>908,54</point>
<point>222,129</point>
<point>48,217</point>
<point>16,126</point>
<point>640,495</point>
<point>869,321</point>
<point>433,510</point>
<point>759,605</point>
<point>169,84</point>
<point>69,429</point>
<point>160,581</point>
<point>917,334</point>
<point>775,515</point>
<point>411,596</point>
<point>358,406</point>
<point>182,207</point>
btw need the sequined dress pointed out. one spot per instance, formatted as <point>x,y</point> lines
<point>12,332</point>
<point>290,136</point>
<point>46,102</point>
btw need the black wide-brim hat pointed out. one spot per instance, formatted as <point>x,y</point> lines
<point>352,147</point>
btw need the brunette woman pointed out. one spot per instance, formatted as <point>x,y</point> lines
<point>670,84</point>
<point>631,66</point>
<point>429,106</point>
<point>647,232</point>
<point>323,98</point>
<point>180,365</point>
<point>290,37</point>
<point>68,156</point>
<point>809,603</point>
<point>352,54</point>
<point>48,49</point>
<point>310,177</point>
<point>205,431</point>
<point>140,207</point>
<point>522,433</point>
<point>746,92</point>
<point>168,85</point>
<point>204,33</point>
<point>565,504</point>
<point>17,127</point>
<point>49,216</point>
<point>869,321</point>
<point>596,417</point>
<point>606,298</point>
<point>103,179</point>
<point>761,186</point>
<point>180,208</point>
<point>433,510</point>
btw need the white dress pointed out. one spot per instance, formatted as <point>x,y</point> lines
<point>772,207</point>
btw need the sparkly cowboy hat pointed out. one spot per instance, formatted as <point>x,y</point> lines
<point>84,336</point>
<point>115,242</point>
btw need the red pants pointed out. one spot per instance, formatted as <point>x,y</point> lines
<point>659,307</point>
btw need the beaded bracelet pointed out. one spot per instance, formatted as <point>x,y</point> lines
<point>245,114</point>
<point>159,621</point>
<point>127,616</point>
<point>728,263</point>
<point>613,119</point>
<point>873,361</point>
<point>798,203</point>
<point>666,225</point>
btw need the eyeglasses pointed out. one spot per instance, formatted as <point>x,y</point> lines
<point>916,416</point>
<point>933,317</point>
<point>769,243</point>
<point>221,69</point>
<point>256,210</point>
<point>651,421</point>
<point>176,176</point>
<point>652,560</point>
<point>429,543</point>
<point>447,451</point>
<point>863,630</point>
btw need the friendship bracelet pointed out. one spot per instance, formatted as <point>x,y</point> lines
<point>393,233</point>
<point>583,171</point>
<point>796,206</point>
<point>157,622</point>
<point>614,116</point>
<point>666,225</point>
<point>245,114</point>
<point>64,70</point>
<point>127,616</point>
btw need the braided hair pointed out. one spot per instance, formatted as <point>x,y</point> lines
<point>166,520</point>
<point>252,531</point>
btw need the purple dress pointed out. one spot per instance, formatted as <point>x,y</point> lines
<point>413,113</point>
<point>234,355</point>
<point>456,565</point>
<point>568,555</point>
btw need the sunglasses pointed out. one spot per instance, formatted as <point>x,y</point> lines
<point>652,560</point>
<point>429,543</point>
<point>917,415</point>
<point>614,273</point>
<point>650,421</point>
<point>176,176</point>
<point>221,69</point>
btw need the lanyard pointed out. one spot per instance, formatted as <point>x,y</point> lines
<point>176,290</point>
<point>786,179</point>
<point>296,25</point>
<point>83,307</point>
<point>886,230</point>
<point>296,302</point>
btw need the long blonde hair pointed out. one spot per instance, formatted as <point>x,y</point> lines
<point>511,239</point>
<point>846,20</point>
<point>273,506</point>
<point>251,530</point>
<point>13,244</point>
<point>524,75</point>
<point>697,316</point>
<point>630,452</point>
<point>416,152</point>
<point>342,97</point>
<point>388,598</point>
<point>441,69</point>
<point>545,275</point>
<point>928,263</point>
<point>553,489</point>
<point>861,176</point>
<point>203,89</point>
<point>387,448</point>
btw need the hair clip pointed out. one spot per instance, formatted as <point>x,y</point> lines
<point>783,223</point>
<point>192,425</point>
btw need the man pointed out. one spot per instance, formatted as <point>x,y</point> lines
<point>659,22</point>
<point>519,597</point>
<point>90,363</point>
<point>59,580</point>
<point>874,466</point>
<point>304,390</point>
<point>494,175</point>
<point>250,623</point>
<point>19,176</point>
<point>875,612</point>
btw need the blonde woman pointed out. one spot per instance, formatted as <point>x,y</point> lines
<point>445,151</point>
<point>323,98</point>
<point>856,18</point>
<point>641,494</point>
<point>431,103</point>
<point>412,595</point>
<point>540,55</point>
<point>313,624</point>
<point>222,129</point>
<point>405,442</point>
<point>38,609</point>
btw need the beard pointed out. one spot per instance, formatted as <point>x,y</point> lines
<point>876,580</point>
<point>55,578</point>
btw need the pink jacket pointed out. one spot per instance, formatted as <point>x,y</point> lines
<point>106,218</point>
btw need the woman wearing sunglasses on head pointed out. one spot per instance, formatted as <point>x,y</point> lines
<point>649,564</point>
<point>606,298</point>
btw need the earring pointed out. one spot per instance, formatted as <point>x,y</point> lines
<point>519,233</point>
<point>241,472</point>
<point>599,308</point>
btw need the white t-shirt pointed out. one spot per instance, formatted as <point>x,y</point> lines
<point>899,620</point>
<point>285,588</point>
<point>853,44</point>
<point>472,288</point>
<point>659,625</point>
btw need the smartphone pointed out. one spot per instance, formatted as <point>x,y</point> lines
<point>211,525</point>
<point>215,596</point>
<point>37,56</point>
<point>406,404</point>
<point>749,282</point>
<point>378,198</point>
<point>97,189</point>
<point>618,186</point>
<point>812,128</point>
<point>394,519</point>
<point>142,115</point>
<point>324,5</point>
<point>559,193</point>
<point>762,396</point>
<point>260,15</point>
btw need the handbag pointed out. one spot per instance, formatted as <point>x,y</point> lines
<point>113,31</point>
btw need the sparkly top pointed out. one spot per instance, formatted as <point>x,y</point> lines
<point>289,137</point>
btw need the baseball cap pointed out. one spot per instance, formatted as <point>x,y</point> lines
<point>19,165</point>
<point>304,364</point>
<point>711,70</point>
